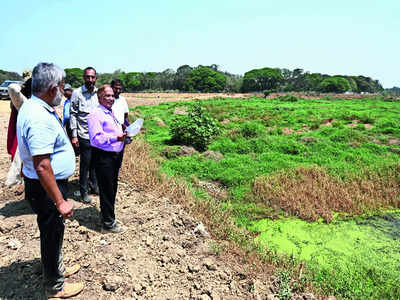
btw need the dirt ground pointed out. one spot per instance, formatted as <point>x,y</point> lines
<point>160,256</point>
<point>135,99</point>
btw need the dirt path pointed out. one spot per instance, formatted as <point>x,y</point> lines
<point>160,256</point>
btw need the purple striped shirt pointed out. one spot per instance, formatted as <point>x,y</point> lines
<point>104,130</point>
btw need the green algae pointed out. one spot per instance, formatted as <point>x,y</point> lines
<point>357,258</point>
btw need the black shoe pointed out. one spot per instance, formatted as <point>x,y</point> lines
<point>86,199</point>
<point>95,190</point>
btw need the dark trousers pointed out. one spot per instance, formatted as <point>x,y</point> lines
<point>87,174</point>
<point>51,227</point>
<point>107,167</point>
<point>69,133</point>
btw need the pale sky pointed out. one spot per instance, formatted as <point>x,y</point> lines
<point>346,37</point>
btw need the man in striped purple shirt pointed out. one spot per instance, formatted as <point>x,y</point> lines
<point>107,141</point>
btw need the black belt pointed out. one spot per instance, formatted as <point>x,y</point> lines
<point>62,181</point>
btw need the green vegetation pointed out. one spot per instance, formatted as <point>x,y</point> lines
<point>4,75</point>
<point>357,258</point>
<point>204,79</point>
<point>321,160</point>
<point>335,84</point>
<point>261,79</point>
<point>195,129</point>
<point>211,79</point>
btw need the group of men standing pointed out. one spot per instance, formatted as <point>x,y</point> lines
<point>95,123</point>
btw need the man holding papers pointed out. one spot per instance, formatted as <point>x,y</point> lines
<point>107,141</point>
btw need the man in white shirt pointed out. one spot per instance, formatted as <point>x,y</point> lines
<point>120,107</point>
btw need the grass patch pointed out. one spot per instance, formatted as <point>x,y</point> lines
<point>311,193</point>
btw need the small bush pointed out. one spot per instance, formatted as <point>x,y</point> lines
<point>251,130</point>
<point>288,98</point>
<point>196,129</point>
<point>268,92</point>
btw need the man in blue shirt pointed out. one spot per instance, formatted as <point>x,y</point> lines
<point>67,105</point>
<point>48,160</point>
<point>66,113</point>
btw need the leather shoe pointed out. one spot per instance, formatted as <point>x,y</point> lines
<point>71,270</point>
<point>94,190</point>
<point>69,290</point>
<point>117,228</point>
<point>86,199</point>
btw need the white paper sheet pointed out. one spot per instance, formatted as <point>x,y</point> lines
<point>134,128</point>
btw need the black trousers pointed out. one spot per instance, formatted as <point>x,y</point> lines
<point>51,227</point>
<point>87,174</point>
<point>69,133</point>
<point>107,167</point>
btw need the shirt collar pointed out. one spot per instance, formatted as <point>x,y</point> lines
<point>85,90</point>
<point>107,111</point>
<point>43,103</point>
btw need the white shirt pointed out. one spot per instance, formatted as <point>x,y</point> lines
<point>119,108</point>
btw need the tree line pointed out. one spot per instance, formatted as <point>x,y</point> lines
<point>211,79</point>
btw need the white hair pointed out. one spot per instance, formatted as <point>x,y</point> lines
<point>45,76</point>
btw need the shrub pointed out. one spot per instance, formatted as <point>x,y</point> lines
<point>268,92</point>
<point>196,129</point>
<point>288,98</point>
<point>251,130</point>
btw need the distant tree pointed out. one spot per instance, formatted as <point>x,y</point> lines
<point>166,79</point>
<point>262,79</point>
<point>353,84</point>
<point>205,79</point>
<point>5,75</point>
<point>131,81</point>
<point>215,67</point>
<point>74,76</point>
<point>312,81</point>
<point>148,81</point>
<point>367,84</point>
<point>233,83</point>
<point>180,77</point>
<point>395,91</point>
<point>335,84</point>
<point>104,78</point>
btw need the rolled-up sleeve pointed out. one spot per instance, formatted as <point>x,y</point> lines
<point>99,138</point>
<point>17,98</point>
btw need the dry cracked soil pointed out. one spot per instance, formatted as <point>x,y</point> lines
<point>161,255</point>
